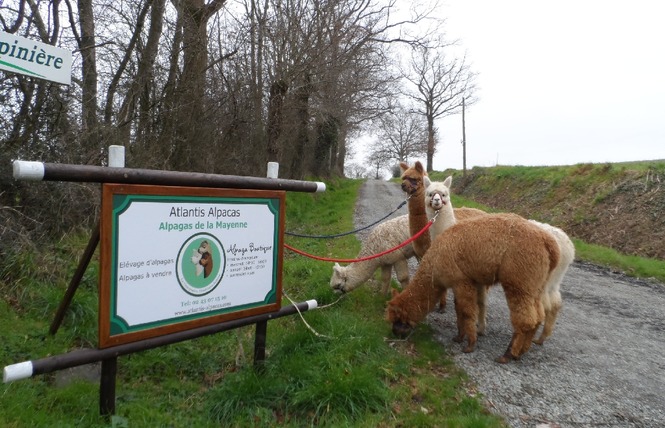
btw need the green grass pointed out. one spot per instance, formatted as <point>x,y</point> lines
<point>339,371</point>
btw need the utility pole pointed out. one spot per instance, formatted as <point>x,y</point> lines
<point>463,141</point>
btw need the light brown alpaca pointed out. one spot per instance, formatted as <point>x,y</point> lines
<point>482,251</point>
<point>437,200</point>
<point>412,184</point>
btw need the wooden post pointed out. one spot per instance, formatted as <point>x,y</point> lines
<point>107,387</point>
<point>260,344</point>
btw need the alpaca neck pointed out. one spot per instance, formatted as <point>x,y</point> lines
<point>417,221</point>
<point>358,273</point>
<point>422,295</point>
<point>445,219</point>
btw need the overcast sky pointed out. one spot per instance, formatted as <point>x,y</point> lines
<point>560,83</point>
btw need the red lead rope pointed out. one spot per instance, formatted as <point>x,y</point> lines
<point>325,259</point>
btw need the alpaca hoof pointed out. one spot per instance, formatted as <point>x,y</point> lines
<point>539,341</point>
<point>503,359</point>
<point>468,349</point>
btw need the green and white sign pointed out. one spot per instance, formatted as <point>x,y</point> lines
<point>36,59</point>
<point>178,258</point>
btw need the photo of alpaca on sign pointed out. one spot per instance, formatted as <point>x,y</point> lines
<point>202,259</point>
<point>382,237</point>
<point>482,251</point>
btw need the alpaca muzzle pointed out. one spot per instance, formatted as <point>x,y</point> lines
<point>410,185</point>
<point>401,329</point>
<point>437,202</point>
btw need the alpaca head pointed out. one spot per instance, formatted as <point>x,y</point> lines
<point>338,279</point>
<point>398,316</point>
<point>437,193</point>
<point>412,177</point>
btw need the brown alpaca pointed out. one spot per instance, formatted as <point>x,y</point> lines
<point>482,251</point>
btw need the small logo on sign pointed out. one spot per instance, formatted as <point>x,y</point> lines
<point>201,264</point>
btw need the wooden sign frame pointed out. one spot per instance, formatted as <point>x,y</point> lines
<point>177,258</point>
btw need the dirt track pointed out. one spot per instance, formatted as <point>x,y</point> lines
<point>604,365</point>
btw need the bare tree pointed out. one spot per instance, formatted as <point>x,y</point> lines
<point>438,86</point>
<point>402,135</point>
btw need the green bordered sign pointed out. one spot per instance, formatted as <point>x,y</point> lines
<point>176,258</point>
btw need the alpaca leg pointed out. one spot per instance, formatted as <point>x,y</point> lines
<point>402,272</point>
<point>551,314</point>
<point>481,298</point>
<point>443,301</point>
<point>526,314</point>
<point>529,333</point>
<point>508,355</point>
<point>466,309</point>
<point>386,274</point>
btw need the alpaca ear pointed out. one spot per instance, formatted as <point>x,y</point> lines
<point>426,181</point>
<point>419,168</point>
<point>336,267</point>
<point>403,167</point>
<point>448,181</point>
<point>395,292</point>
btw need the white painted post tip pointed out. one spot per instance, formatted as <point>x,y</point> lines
<point>273,170</point>
<point>117,156</point>
<point>17,371</point>
<point>28,170</point>
<point>312,304</point>
<point>320,187</point>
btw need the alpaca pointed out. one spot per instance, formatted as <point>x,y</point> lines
<point>384,236</point>
<point>482,251</point>
<point>437,199</point>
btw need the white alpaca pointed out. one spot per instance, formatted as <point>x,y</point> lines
<point>384,236</point>
<point>437,198</point>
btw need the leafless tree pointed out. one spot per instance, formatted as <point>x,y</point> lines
<point>402,135</point>
<point>438,84</point>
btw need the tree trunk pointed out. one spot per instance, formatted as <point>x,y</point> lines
<point>190,130</point>
<point>89,87</point>
<point>275,118</point>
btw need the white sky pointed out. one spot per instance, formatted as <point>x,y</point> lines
<point>560,83</point>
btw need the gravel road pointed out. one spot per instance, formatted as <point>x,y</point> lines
<point>604,365</point>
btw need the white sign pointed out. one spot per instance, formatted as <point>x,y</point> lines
<point>176,258</point>
<point>36,59</point>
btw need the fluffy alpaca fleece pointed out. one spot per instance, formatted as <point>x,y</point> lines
<point>551,298</point>
<point>384,236</point>
<point>412,184</point>
<point>482,251</point>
